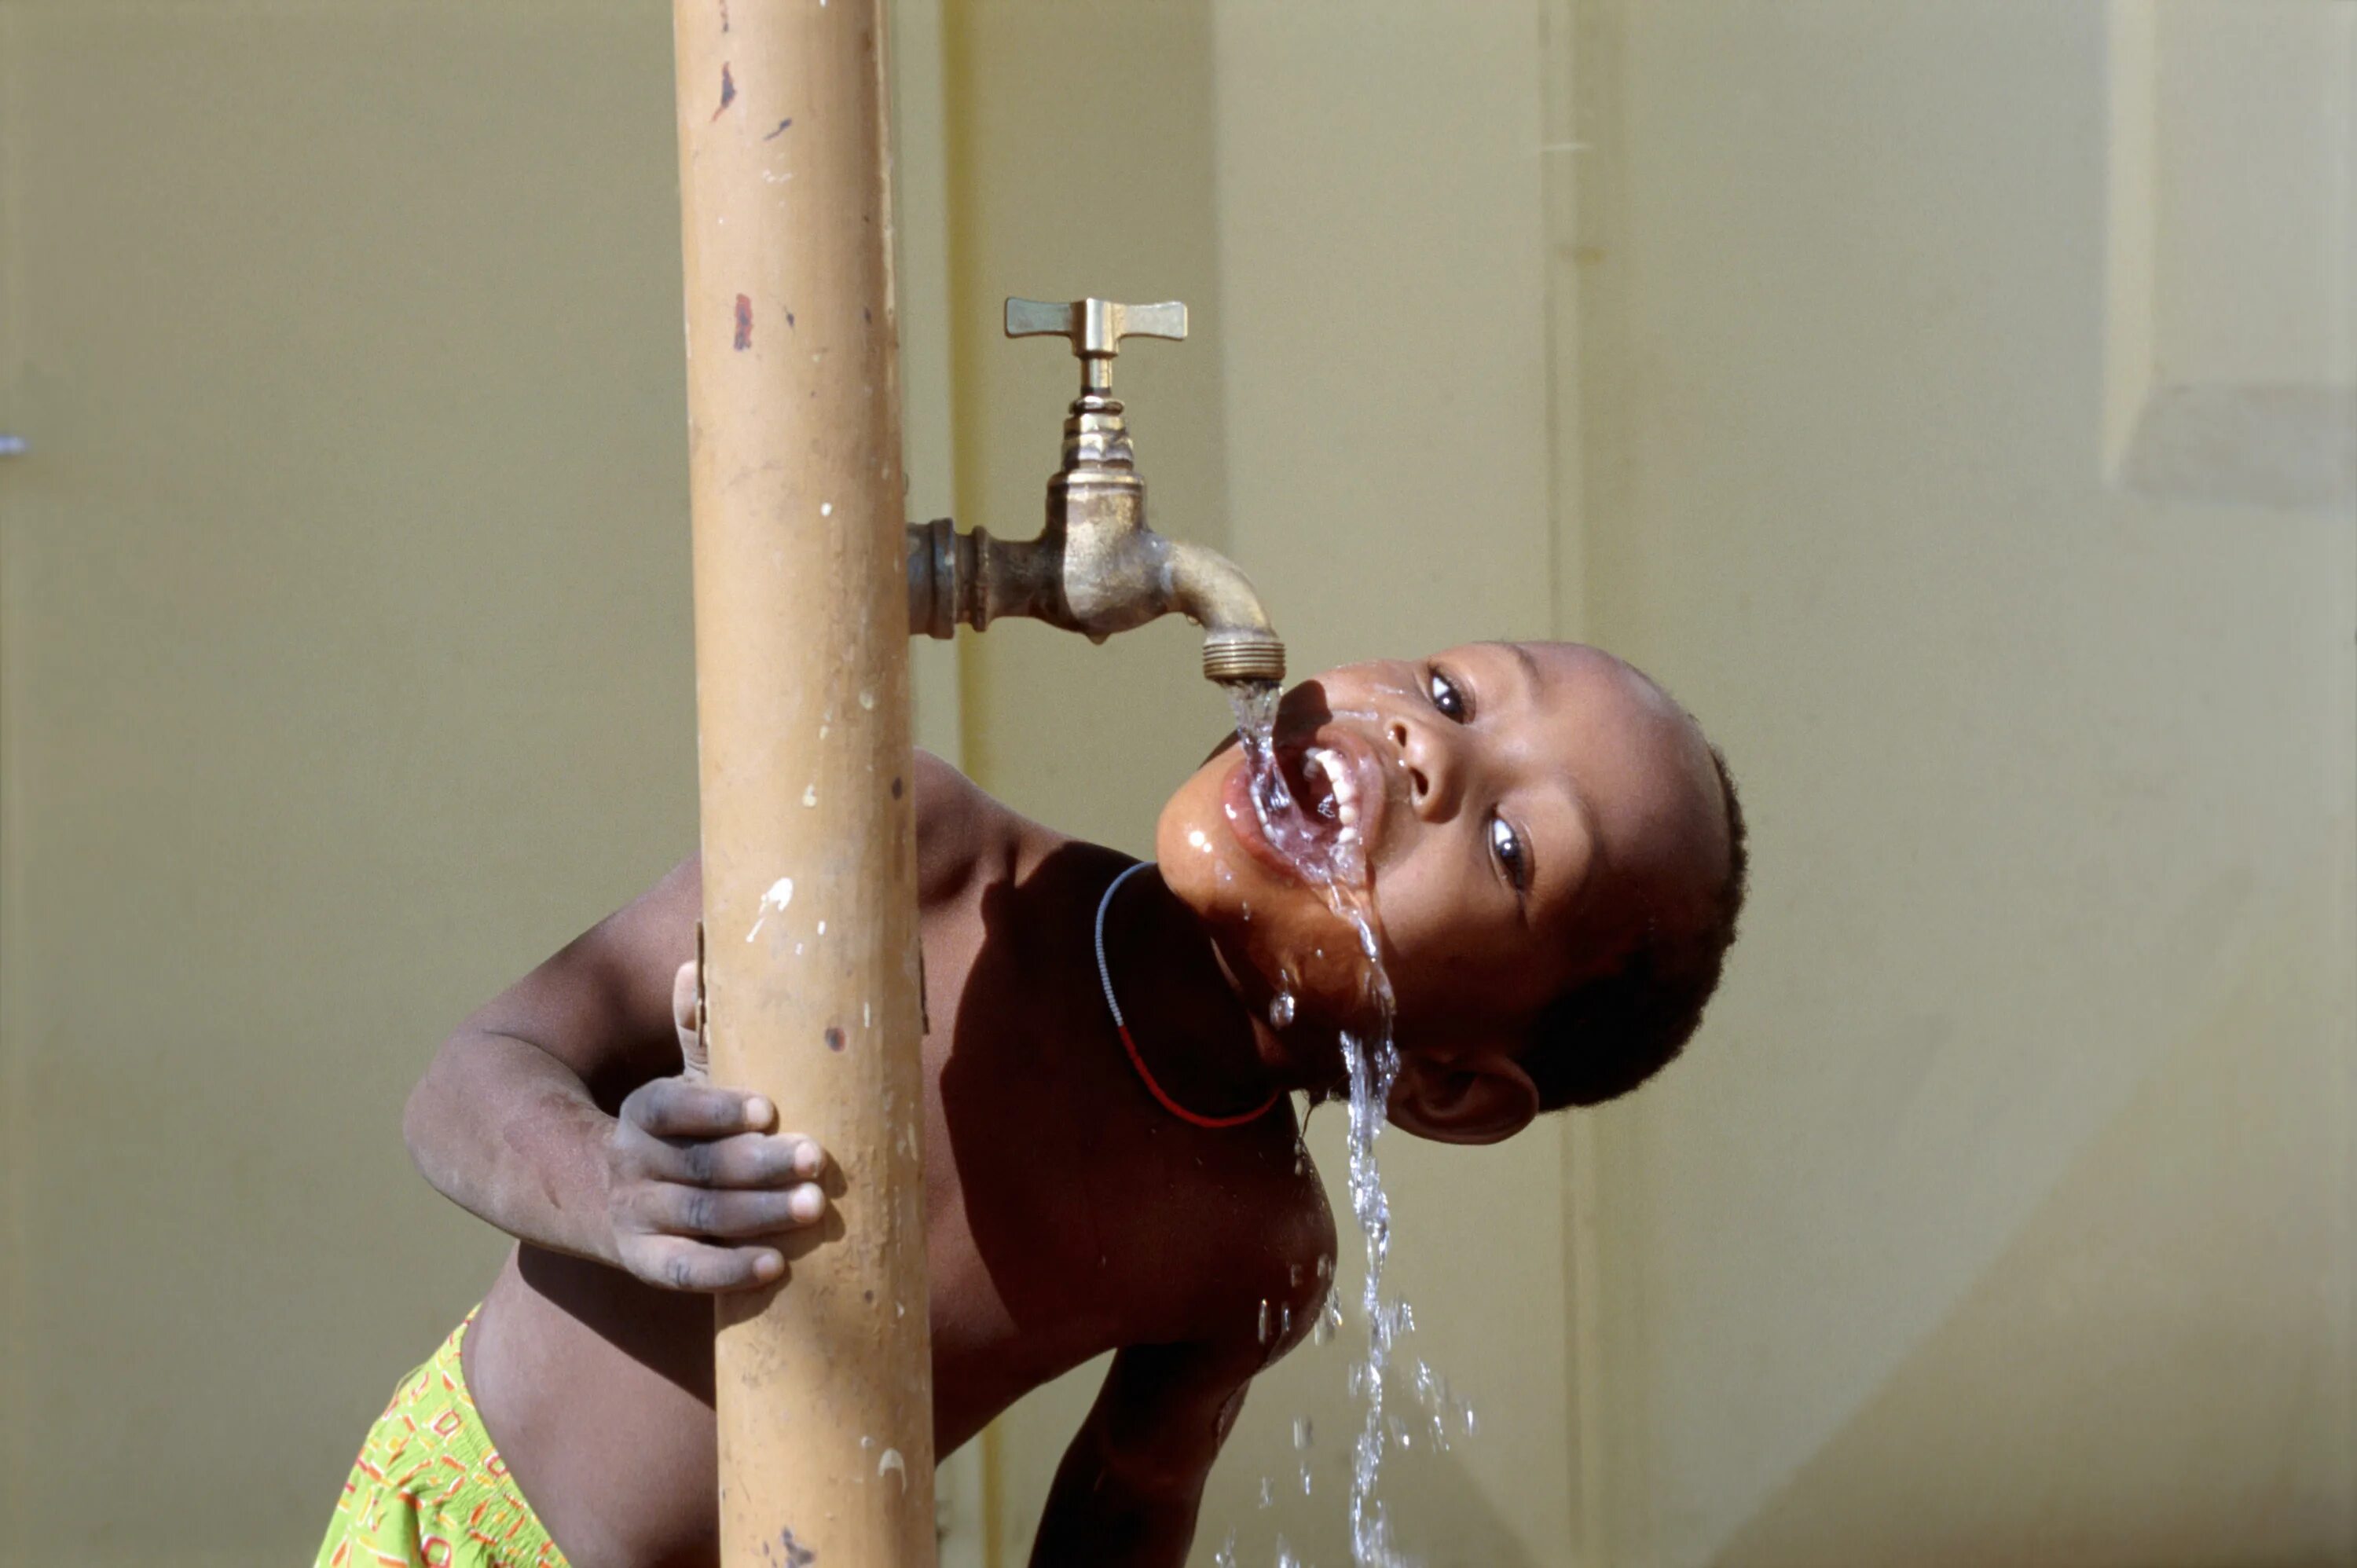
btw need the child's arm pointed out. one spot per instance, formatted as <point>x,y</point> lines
<point>1126,1495</point>
<point>509,1122</point>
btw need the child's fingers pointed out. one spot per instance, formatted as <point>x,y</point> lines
<point>734,1216</point>
<point>678,1263</point>
<point>674,1108</point>
<point>747,1160</point>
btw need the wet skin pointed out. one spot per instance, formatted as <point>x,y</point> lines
<point>1519,807</point>
<point>1525,811</point>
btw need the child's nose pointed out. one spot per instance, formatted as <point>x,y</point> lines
<point>1431,767</point>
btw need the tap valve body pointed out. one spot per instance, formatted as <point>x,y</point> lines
<point>1096,567</point>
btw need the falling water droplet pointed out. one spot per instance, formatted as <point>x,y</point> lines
<point>1329,1322</point>
<point>1280,1010</point>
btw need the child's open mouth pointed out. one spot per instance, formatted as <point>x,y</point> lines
<point>1325,787</point>
<point>1311,817</point>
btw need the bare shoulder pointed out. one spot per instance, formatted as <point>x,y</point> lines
<point>1274,1273</point>
<point>1302,1234</point>
<point>959,828</point>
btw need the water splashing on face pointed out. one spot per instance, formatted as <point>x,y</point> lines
<point>1336,865</point>
<point>1319,843</point>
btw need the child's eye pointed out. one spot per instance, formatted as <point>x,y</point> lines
<point>1512,858</point>
<point>1448,697</point>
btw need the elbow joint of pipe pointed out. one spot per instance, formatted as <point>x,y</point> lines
<point>1239,642</point>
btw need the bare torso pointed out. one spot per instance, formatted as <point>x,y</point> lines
<point>1066,1215</point>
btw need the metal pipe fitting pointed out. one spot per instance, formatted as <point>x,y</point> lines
<point>1096,567</point>
<point>1239,643</point>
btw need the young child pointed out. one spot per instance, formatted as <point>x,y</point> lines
<point>1556,859</point>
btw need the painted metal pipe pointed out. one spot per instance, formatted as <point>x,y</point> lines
<point>809,909</point>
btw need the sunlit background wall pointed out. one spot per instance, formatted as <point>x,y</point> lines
<point>1951,402</point>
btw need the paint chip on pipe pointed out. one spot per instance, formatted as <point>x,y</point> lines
<point>780,894</point>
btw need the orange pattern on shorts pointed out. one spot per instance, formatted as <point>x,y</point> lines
<point>429,1489</point>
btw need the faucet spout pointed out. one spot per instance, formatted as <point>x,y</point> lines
<point>1239,642</point>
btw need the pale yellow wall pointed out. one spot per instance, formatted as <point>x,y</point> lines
<point>344,673</point>
<point>2003,1213</point>
<point>2007,1214</point>
<point>347,676</point>
<point>2232,271</point>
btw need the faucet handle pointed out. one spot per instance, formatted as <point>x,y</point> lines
<point>1095,328</point>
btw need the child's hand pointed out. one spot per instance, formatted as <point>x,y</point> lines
<point>691,1168</point>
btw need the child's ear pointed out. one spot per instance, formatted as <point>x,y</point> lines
<point>1481,1097</point>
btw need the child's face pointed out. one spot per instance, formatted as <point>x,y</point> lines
<point>1519,804</point>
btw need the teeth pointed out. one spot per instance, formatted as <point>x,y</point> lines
<point>1344,782</point>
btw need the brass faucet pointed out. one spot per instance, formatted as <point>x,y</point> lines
<point>1096,567</point>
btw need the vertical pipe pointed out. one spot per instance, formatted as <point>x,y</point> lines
<point>823,1384</point>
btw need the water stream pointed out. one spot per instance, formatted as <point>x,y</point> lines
<point>1337,867</point>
